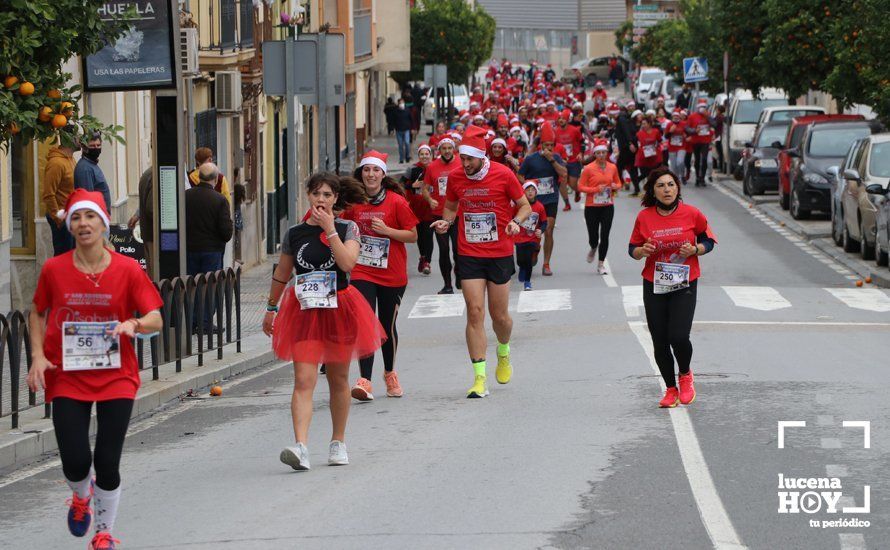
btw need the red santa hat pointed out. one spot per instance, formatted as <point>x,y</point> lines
<point>443,141</point>
<point>374,158</point>
<point>423,146</point>
<point>456,137</point>
<point>502,120</point>
<point>473,144</point>
<point>81,199</point>
<point>530,183</point>
<point>566,114</point>
<point>600,145</point>
<point>499,141</point>
<point>548,135</point>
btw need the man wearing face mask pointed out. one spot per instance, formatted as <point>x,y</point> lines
<point>87,174</point>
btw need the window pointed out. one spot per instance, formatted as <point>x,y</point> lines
<point>749,110</point>
<point>22,156</point>
<point>792,113</point>
<point>330,13</point>
<point>879,165</point>
<point>835,142</point>
<point>769,134</point>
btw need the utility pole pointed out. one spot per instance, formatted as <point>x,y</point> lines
<point>321,68</point>
<point>290,101</point>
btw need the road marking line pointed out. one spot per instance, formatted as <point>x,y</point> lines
<point>438,305</point>
<point>836,470</point>
<point>544,300</point>
<point>869,299</point>
<point>632,296</point>
<point>138,427</point>
<point>710,507</point>
<point>608,277</point>
<point>830,443</point>
<point>824,420</point>
<point>762,298</point>
<point>852,541</point>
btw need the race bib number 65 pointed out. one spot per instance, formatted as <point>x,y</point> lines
<point>480,227</point>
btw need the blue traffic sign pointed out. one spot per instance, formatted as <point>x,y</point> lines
<point>695,69</point>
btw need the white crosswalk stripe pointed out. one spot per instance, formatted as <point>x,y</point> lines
<point>632,296</point>
<point>544,300</point>
<point>869,299</point>
<point>438,305</point>
<point>761,298</point>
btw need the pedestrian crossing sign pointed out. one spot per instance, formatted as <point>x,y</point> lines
<point>695,69</point>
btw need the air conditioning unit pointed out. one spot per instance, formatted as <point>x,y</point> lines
<point>188,51</point>
<point>228,91</point>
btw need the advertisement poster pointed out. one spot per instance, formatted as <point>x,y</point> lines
<point>140,59</point>
<point>125,242</point>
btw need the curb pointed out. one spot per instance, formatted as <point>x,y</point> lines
<point>36,435</point>
<point>878,278</point>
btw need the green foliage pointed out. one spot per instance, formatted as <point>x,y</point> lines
<point>36,38</point>
<point>452,33</point>
<point>624,36</point>
<point>665,45</point>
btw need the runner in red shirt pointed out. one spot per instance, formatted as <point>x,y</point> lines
<point>570,138</point>
<point>412,180</point>
<point>435,184</point>
<point>528,240</point>
<point>480,199</point>
<point>699,128</point>
<point>670,235</point>
<point>676,140</point>
<point>441,132</point>
<point>599,181</point>
<point>81,325</point>
<point>648,155</point>
<point>385,224</point>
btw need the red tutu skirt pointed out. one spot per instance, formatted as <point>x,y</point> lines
<point>327,335</point>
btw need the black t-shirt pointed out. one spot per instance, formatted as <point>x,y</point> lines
<point>304,243</point>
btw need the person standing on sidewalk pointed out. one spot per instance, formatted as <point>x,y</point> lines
<point>144,216</point>
<point>87,174</point>
<point>58,183</point>
<point>322,318</point>
<point>82,363</point>
<point>204,155</point>
<point>401,119</point>
<point>435,186</point>
<point>386,223</point>
<point>599,181</point>
<point>413,183</point>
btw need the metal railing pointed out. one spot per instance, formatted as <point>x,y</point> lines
<point>361,36</point>
<point>182,335</point>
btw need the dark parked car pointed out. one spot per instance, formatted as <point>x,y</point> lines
<point>759,167</point>
<point>864,193</point>
<point>824,144</point>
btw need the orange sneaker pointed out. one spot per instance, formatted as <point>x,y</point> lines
<point>362,390</point>
<point>393,388</point>
<point>687,389</point>
<point>670,399</point>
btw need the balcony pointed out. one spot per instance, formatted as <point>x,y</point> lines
<point>226,32</point>
<point>361,41</point>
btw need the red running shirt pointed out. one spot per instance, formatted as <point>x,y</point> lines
<point>396,213</point>
<point>534,220</point>
<point>683,225</point>
<point>477,202</point>
<point>675,134</point>
<point>123,289</point>
<point>570,138</point>
<point>701,128</point>
<point>436,176</point>
<point>648,148</point>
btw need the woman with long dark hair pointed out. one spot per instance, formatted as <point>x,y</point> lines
<point>322,318</point>
<point>386,224</point>
<point>670,235</point>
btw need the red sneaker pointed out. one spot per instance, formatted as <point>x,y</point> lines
<point>671,398</point>
<point>420,265</point>
<point>103,541</point>
<point>687,389</point>
<point>546,271</point>
<point>362,390</point>
<point>393,388</point>
<point>425,268</point>
<point>567,207</point>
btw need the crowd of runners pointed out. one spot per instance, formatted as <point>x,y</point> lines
<point>485,193</point>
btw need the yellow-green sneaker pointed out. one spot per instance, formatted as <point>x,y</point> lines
<point>479,389</point>
<point>504,370</point>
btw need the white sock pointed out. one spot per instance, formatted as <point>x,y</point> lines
<point>106,508</point>
<point>81,488</point>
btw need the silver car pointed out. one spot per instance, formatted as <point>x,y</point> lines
<point>836,177</point>
<point>878,174</point>
<point>865,192</point>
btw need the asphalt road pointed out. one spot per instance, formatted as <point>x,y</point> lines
<point>573,453</point>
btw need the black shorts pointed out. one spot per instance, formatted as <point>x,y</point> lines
<point>551,209</point>
<point>574,169</point>
<point>495,270</point>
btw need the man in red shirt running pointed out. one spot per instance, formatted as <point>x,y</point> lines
<point>571,139</point>
<point>435,184</point>
<point>480,199</point>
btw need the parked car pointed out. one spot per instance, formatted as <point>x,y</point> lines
<point>792,141</point>
<point>879,165</point>
<point>836,177</point>
<point>666,87</point>
<point>823,144</point>
<point>864,191</point>
<point>761,172</point>
<point>593,69</point>
<point>647,76</point>
<point>460,101</point>
<point>741,121</point>
<point>788,112</point>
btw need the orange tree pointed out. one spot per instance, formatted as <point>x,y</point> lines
<point>36,38</point>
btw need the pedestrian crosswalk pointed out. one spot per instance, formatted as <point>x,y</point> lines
<point>755,298</point>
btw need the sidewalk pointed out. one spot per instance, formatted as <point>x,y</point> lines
<point>35,435</point>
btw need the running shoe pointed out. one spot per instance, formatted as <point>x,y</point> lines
<point>80,514</point>
<point>526,285</point>
<point>601,269</point>
<point>337,454</point>
<point>671,398</point>
<point>362,390</point>
<point>687,389</point>
<point>420,265</point>
<point>577,196</point>
<point>590,255</point>
<point>446,290</point>
<point>567,207</point>
<point>425,269</point>
<point>546,270</point>
<point>504,370</point>
<point>296,457</point>
<point>479,388</point>
<point>103,541</point>
<point>393,388</point>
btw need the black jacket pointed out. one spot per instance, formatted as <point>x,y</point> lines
<point>683,100</point>
<point>625,132</point>
<point>207,220</point>
<point>401,120</point>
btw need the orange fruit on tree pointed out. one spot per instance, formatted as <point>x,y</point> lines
<point>54,94</point>
<point>26,89</point>
<point>868,280</point>
<point>45,114</point>
<point>858,283</point>
<point>66,108</point>
<point>10,81</point>
<point>60,121</point>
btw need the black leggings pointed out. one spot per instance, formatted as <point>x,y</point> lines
<point>599,225</point>
<point>525,253</point>
<point>688,162</point>
<point>385,300</point>
<point>425,240</point>
<point>669,317</point>
<point>447,250</point>
<point>71,419</point>
<point>701,151</point>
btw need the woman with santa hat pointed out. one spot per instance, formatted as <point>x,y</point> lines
<point>413,182</point>
<point>80,363</point>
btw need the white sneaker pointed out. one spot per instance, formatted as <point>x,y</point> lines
<point>601,269</point>
<point>296,457</point>
<point>590,255</point>
<point>337,454</point>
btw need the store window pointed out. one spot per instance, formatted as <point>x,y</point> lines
<point>22,186</point>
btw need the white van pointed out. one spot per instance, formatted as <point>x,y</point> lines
<point>648,75</point>
<point>741,121</point>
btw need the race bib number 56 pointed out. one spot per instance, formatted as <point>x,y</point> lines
<point>90,346</point>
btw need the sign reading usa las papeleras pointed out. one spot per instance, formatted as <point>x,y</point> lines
<point>143,57</point>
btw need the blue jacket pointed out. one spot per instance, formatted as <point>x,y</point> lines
<point>88,175</point>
